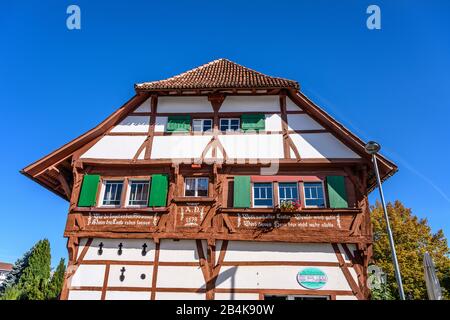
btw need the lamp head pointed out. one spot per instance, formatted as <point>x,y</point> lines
<point>372,147</point>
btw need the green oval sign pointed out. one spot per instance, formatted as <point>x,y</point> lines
<point>312,278</point>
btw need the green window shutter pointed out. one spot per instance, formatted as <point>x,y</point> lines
<point>179,123</point>
<point>336,192</point>
<point>158,191</point>
<point>88,193</point>
<point>242,187</point>
<point>255,122</point>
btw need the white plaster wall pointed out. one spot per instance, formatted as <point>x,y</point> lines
<point>180,296</point>
<point>178,251</point>
<point>127,295</point>
<point>183,105</point>
<point>273,122</point>
<point>81,245</point>
<point>253,146</point>
<point>131,250</point>
<point>180,277</point>
<point>115,147</point>
<point>177,146</point>
<point>302,122</point>
<point>236,296</point>
<point>275,277</point>
<point>88,275</point>
<point>160,124</point>
<point>321,145</point>
<point>133,124</point>
<point>251,104</point>
<point>278,251</point>
<point>84,295</point>
<point>291,106</point>
<point>132,276</point>
<point>144,107</point>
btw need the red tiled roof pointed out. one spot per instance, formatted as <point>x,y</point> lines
<point>221,73</point>
<point>6,266</point>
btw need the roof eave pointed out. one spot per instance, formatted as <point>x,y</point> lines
<point>161,89</point>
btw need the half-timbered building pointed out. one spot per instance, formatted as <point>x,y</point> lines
<point>218,183</point>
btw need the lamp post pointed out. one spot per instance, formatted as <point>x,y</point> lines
<point>372,148</point>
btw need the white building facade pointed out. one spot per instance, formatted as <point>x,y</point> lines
<point>218,183</point>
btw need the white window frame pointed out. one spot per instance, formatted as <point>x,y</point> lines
<point>196,186</point>
<point>253,196</point>
<point>127,198</point>
<point>103,190</point>
<point>298,190</point>
<point>202,124</point>
<point>229,124</point>
<point>325,205</point>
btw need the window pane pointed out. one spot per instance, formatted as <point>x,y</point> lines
<point>263,202</point>
<point>138,193</point>
<point>223,124</point>
<point>262,194</point>
<point>207,125</point>
<point>202,183</point>
<point>288,192</point>
<point>320,192</point>
<point>190,193</point>
<point>314,194</point>
<point>229,124</point>
<point>190,187</point>
<point>196,187</point>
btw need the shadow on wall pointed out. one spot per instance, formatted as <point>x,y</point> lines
<point>225,275</point>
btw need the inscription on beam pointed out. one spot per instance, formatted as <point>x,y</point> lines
<point>191,215</point>
<point>125,219</point>
<point>281,221</point>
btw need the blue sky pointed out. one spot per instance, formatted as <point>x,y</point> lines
<point>390,85</point>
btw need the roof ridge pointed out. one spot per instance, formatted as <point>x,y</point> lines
<point>223,72</point>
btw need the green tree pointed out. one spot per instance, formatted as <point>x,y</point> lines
<point>12,279</point>
<point>11,293</point>
<point>56,283</point>
<point>382,293</point>
<point>412,237</point>
<point>35,277</point>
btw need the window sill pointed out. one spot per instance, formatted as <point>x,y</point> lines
<point>193,199</point>
<point>118,210</point>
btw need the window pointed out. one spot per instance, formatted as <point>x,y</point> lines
<point>262,195</point>
<point>138,193</point>
<point>288,192</point>
<point>280,297</point>
<point>196,187</point>
<point>202,125</point>
<point>112,192</point>
<point>230,124</point>
<point>314,194</point>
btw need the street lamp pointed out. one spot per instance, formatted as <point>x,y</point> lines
<point>372,148</point>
